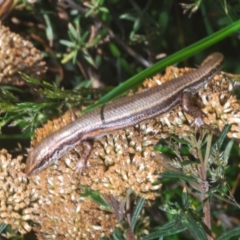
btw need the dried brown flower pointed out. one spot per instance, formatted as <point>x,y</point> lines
<point>18,200</point>
<point>17,55</point>
<point>63,213</point>
<point>124,160</point>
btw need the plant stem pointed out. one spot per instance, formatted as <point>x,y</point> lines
<point>205,185</point>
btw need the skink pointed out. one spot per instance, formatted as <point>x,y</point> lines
<point>122,113</point>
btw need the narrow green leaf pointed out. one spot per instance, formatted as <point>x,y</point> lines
<point>194,227</point>
<point>103,9</point>
<point>84,37</point>
<point>188,162</point>
<point>184,197</point>
<point>67,43</point>
<point>36,81</point>
<point>95,196</point>
<point>114,50</point>
<point>88,58</point>
<point>221,138</point>
<point>2,227</point>
<point>169,229</point>
<point>227,151</point>
<point>235,232</point>
<point>68,57</point>
<point>118,234</point>
<point>164,149</point>
<point>199,208</point>
<point>128,17</point>
<point>49,29</point>
<point>170,175</point>
<point>137,211</point>
<point>136,25</point>
<point>7,95</point>
<point>74,56</point>
<point>73,34</point>
<point>179,140</point>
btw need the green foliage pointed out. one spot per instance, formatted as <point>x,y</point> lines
<point>184,218</point>
<point>30,114</point>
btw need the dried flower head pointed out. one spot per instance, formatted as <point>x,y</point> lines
<point>124,160</point>
<point>18,200</point>
<point>63,213</point>
<point>17,55</point>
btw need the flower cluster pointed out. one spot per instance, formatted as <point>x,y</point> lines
<point>63,213</point>
<point>18,199</point>
<point>17,55</point>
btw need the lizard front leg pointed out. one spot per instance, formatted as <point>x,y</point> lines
<point>87,149</point>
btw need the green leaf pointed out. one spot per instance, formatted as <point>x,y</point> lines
<point>84,37</point>
<point>128,17</point>
<point>163,149</point>
<point>67,43</point>
<point>2,227</point>
<point>136,25</point>
<point>118,234</point>
<point>114,50</point>
<point>6,95</point>
<point>96,197</point>
<point>103,9</point>
<point>168,229</point>
<point>194,227</point>
<point>170,175</point>
<point>221,138</point>
<point>73,34</point>
<point>227,151</point>
<point>179,140</point>
<point>188,162</point>
<point>71,55</point>
<point>88,58</point>
<point>184,198</point>
<point>137,211</point>
<point>36,81</point>
<point>49,29</point>
<point>235,232</point>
